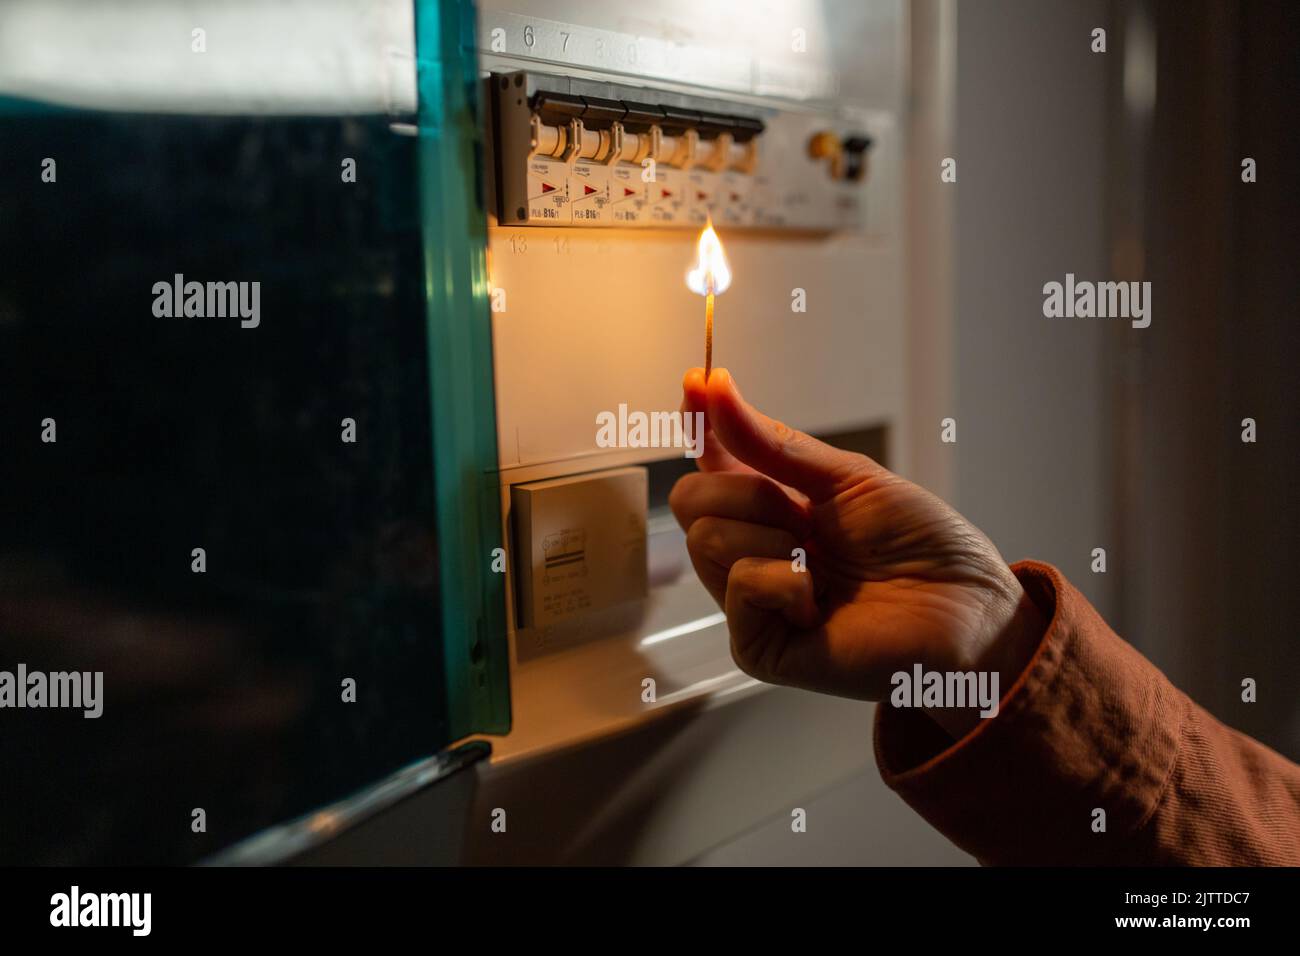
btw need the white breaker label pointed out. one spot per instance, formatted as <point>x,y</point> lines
<point>703,199</point>
<point>589,193</point>
<point>669,202</point>
<point>548,191</point>
<point>735,199</point>
<point>627,194</point>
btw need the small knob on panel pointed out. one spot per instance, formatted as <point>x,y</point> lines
<point>855,151</point>
<point>826,145</point>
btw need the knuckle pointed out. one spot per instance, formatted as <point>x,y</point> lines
<point>782,438</point>
<point>746,577</point>
<point>743,659</point>
<point>705,538</point>
<point>679,498</point>
<point>864,465</point>
<point>747,653</point>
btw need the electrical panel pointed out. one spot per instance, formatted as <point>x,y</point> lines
<point>610,142</point>
<point>571,152</point>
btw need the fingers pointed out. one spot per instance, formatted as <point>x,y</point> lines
<point>713,457</point>
<point>715,544</point>
<point>769,606</point>
<point>728,516</point>
<point>791,457</point>
<point>742,496</point>
<point>780,635</point>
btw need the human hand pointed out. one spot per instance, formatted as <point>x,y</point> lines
<point>894,576</point>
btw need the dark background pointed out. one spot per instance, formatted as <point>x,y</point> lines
<point>222,690</point>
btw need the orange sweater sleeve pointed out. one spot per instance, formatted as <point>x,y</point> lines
<point>1093,724</point>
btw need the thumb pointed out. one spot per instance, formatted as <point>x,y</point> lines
<point>818,470</point>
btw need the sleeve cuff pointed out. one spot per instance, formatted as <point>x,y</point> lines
<point>1086,726</point>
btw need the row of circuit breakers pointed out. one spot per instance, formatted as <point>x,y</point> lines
<point>573,159</point>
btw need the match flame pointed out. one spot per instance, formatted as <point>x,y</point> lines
<point>711,272</point>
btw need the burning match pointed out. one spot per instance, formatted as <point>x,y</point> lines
<point>710,276</point>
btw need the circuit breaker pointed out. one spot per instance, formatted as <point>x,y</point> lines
<point>570,152</point>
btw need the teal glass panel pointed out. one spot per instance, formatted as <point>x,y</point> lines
<point>453,215</point>
<point>324,560</point>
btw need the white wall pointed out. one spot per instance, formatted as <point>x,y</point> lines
<point>1031,458</point>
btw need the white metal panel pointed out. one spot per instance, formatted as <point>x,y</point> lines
<point>595,320</point>
<point>323,57</point>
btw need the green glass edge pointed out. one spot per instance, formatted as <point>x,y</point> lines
<point>22,106</point>
<point>454,226</point>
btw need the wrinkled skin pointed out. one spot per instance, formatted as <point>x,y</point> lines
<point>894,576</point>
